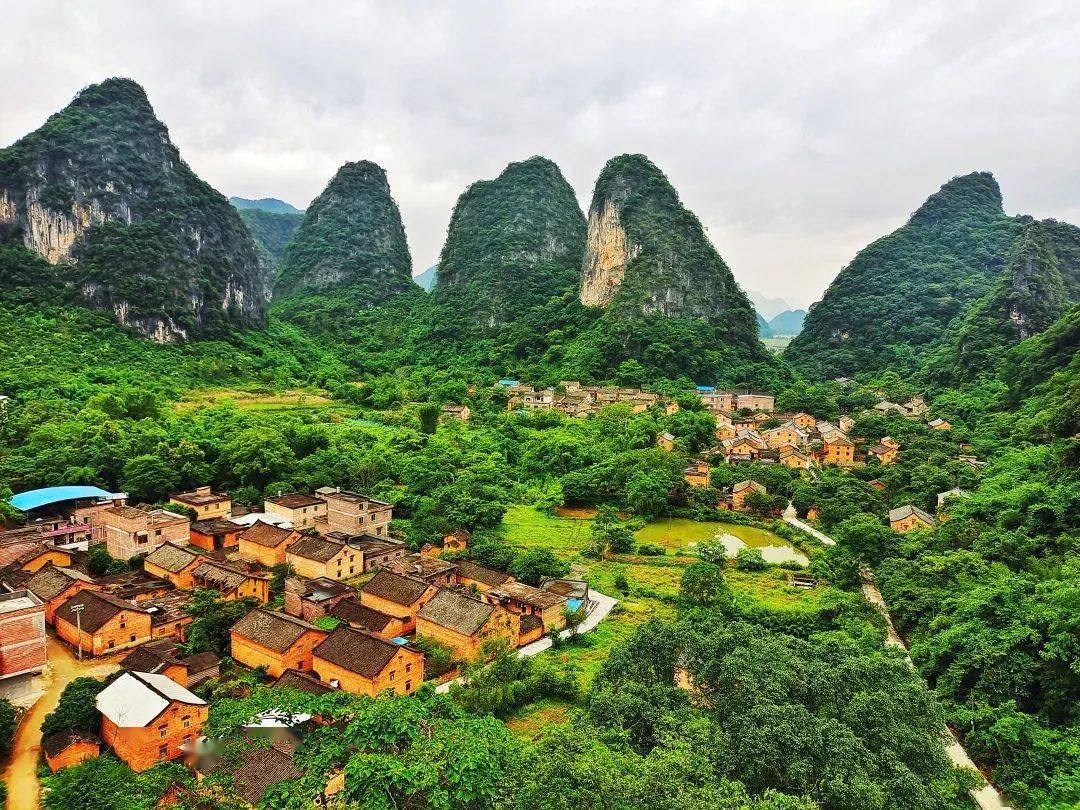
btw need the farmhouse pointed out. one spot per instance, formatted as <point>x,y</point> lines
<point>697,473</point>
<point>37,558</point>
<point>313,556</point>
<point>883,453</point>
<point>838,450</point>
<point>794,458</point>
<point>311,599</point>
<point>231,582</point>
<point>364,664</point>
<point>54,586</point>
<point>127,531</point>
<point>215,534</point>
<point>173,563</point>
<point>353,513</point>
<point>100,623</point>
<point>666,442</point>
<point>476,576</point>
<point>266,544</point>
<point>146,718</point>
<point>298,509</point>
<point>274,640</point>
<point>909,517</point>
<point>22,641</point>
<point>458,412</point>
<point>525,600</point>
<point>463,623</point>
<point>67,748</point>
<point>939,424</point>
<point>163,656</point>
<point>739,492</point>
<point>204,503</point>
<point>361,617</point>
<point>396,595</point>
<point>423,566</point>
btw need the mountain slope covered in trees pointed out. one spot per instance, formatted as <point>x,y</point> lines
<point>897,297</point>
<point>103,195</point>
<point>271,232</point>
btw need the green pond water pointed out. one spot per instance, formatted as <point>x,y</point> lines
<point>682,534</point>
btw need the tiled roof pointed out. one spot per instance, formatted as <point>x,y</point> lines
<point>528,595</point>
<point>98,608</point>
<point>302,682</point>
<point>351,611</point>
<point>56,743</point>
<point>50,581</point>
<point>357,651</point>
<point>739,487</point>
<point>258,769</point>
<point>221,578</point>
<point>456,611</point>
<point>295,500</point>
<point>214,526</point>
<point>171,557</point>
<point>315,548</point>
<point>478,573</point>
<point>907,510</point>
<point>395,588</point>
<point>263,534</point>
<point>272,630</point>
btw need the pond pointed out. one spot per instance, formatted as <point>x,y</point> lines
<point>683,534</point>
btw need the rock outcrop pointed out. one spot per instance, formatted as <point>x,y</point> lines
<point>513,243</point>
<point>646,254</point>
<point>351,245</point>
<point>102,192</point>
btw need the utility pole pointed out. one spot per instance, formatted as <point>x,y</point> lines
<point>77,610</point>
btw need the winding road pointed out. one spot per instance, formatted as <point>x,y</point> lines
<point>21,774</point>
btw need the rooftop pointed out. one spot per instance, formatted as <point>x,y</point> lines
<point>478,573</point>
<point>201,497</point>
<point>351,611</point>
<point>97,609</point>
<point>356,650</point>
<point>136,699</point>
<point>295,500</point>
<point>263,534</point>
<point>18,600</point>
<point>400,590</point>
<point>34,498</point>
<point>456,611</point>
<point>275,631</point>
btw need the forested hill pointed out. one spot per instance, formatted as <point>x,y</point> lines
<point>1040,282</point>
<point>349,253</point>
<point>513,243</point>
<point>897,297</point>
<point>271,232</point>
<point>103,195</point>
<point>271,205</point>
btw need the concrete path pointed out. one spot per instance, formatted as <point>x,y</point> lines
<point>790,516</point>
<point>603,607</point>
<point>21,775</point>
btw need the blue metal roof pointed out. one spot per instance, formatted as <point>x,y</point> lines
<point>706,389</point>
<point>508,382</point>
<point>42,497</point>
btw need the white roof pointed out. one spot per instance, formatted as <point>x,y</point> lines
<point>266,517</point>
<point>277,718</point>
<point>135,698</point>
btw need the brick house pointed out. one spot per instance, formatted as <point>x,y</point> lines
<point>54,586</point>
<point>70,747</point>
<point>463,623</point>
<point>476,576</point>
<point>146,718</point>
<point>666,442</point>
<point>425,566</point>
<point>313,556</point>
<point>301,682</point>
<point>755,401</point>
<point>361,617</point>
<point>846,423</point>
<point>697,474</point>
<point>377,551</point>
<point>127,531</point>
<point>525,600</point>
<point>22,640</point>
<point>838,450</point>
<point>206,504</point>
<point>311,599</point>
<point>101,623</point>
<point>939,424</point>
<point>456,541</point>
<point>299,509</point>
<point>398,596</point>
<point>174,564</point>
<point>883,453</point>
<point>37,558</point>
<point>739,492</point>
<point>274,640</point>
<point>353,513</point>
<point>215,534</point>
<point>266,544</point>
<point>794,458</point>
<point>804,421</point>
<point>164,657</point>
<point>231,582</point>
<point>910,517</point>
<point>364,664</point>
<point>459,412</point>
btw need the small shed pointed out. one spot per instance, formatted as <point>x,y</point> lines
<point>71,747</point>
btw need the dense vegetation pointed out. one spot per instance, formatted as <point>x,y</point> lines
<point>271,232</point>
<point>163,248</point>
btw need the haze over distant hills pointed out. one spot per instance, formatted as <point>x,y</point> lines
<point>269,204</point>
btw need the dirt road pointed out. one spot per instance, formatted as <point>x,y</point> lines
<point>21,775</point>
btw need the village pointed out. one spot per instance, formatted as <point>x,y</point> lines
<point>354,608</point>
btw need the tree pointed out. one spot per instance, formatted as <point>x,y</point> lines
<point>149,478</point>
<point>750,559</point>
<point>428,413</point>
<point>100,562</point>
<point>213,617</point>
<point>537,563</point>
<point>76,710</point>
<point>703,584</point>
<point>255,457</point>
<point>647,493</point>
<point>7,727</point>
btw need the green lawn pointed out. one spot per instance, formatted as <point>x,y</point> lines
<point>675,534</point>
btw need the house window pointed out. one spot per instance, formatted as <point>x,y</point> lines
<point>408,668</point>
<point>393,675</point>
<point>123,625</point>
<point>163,752</point>
<point>132,636</point>
<point>163,731</point>
<point>186,720</point>
<point>408,686</point>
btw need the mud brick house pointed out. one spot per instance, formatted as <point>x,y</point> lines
<point>299,509</point>
<point>168,615</point>
<point>353,513</point>
<point>146,718</point>
<point>313,556</point>
<point>166,658</point>
<point>525,600</point>
<point>14,543</point>
<point>101,623</point>
<point>22,641</point>
<point>739,492</point>
<point>471,575</point>
<point>456,541</point>
<point>377,551</point>
<point>301,682</point>
<point>883,453</point>
<point>174,564</point>
<point>37,558</point>
<point>266,544</point>
<point>838,450</point>
<point>127,530</point>
<point>311,599</point>
<point>786,434</point>
<point>215,534</point>
<point>231,582</point>
<point>374,621</point>
<point>364,664</point>
<point>397,596</point>
<point>696,474</point>
<point>463,623</point>
<point>206,504</point>
<point>910,517</point>
<point>939,424</point>
<point>794,458</point>
<point>754,401</point>
<point>459,412</point>
<point>71,747</point>
<point>804,421</point>
<point>428,568</point>
<point>274,640</point>
<point>666,441</point>
<point>134,586</point>
<point>53,586</point>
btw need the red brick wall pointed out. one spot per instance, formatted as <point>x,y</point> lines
<point>22,641</point>
<point>141,747</point>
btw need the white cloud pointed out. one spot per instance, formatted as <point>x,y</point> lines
<point>797,132</point>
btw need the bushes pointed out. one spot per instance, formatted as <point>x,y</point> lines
<point>76,710</point>
<point>650,550</point>
<point>750,559</point>
<point>7,727</point>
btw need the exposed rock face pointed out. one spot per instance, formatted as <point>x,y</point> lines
<point>513,243</point>
<point>100,189</point>
<point>272,233</point>
<point>646,254</point>
<point>896,300</point>
<point>351,243</point>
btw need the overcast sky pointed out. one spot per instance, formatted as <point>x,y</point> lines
<point>797,131</point>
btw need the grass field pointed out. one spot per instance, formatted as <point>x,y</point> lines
<point>776,345</point>
<point>257,400</point>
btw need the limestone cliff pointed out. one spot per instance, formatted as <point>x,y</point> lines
<point>350,246</point>
<point>513,243</point>
<point>646,254</point>
<point>100,191</point>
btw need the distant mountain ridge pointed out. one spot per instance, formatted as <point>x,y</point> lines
<point>271,205</point>
<point>768,307</point>
<point>427,280</point>
<point>788,322</point>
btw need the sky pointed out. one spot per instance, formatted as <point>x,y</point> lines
<point>798,132</point>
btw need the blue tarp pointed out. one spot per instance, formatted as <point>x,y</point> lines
<point>706,389</point>
<point>573,604</point>
<point>508,383</point>
<point>42,497</point>
<point>399,640</point>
